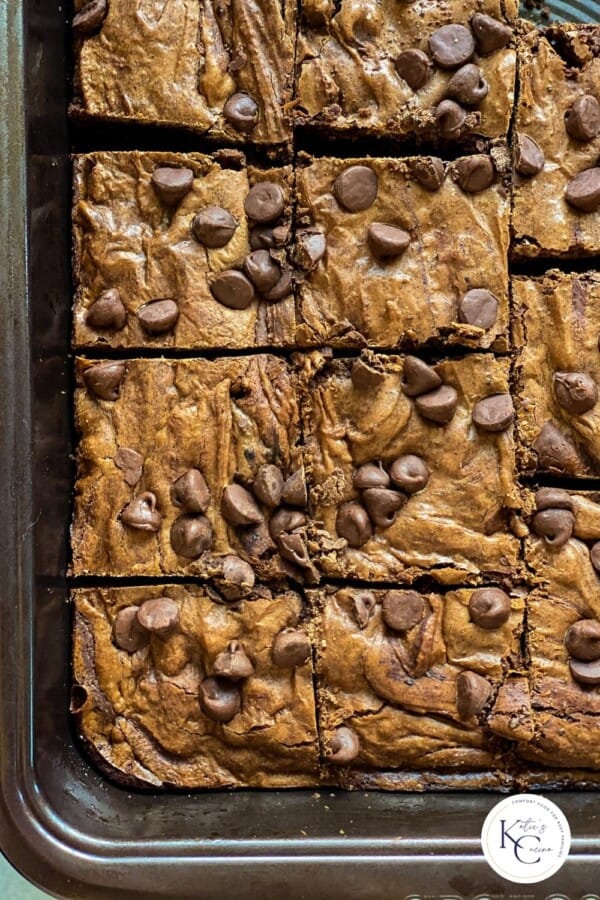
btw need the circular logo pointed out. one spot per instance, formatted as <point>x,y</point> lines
<point>525,838</point>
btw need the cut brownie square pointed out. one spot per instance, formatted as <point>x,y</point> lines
<point>436,71</point>
<point>172,689</point>
<point>557,367</point>
<point>223,69</point>
<point>411,468</point>
<point>557,143</point>
<point>176,250</point>
<point>407,683</point>
<point>410,251</point>
<point>183,463</point>
<point>563,633</point>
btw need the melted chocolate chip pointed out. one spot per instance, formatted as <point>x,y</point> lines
<point>171,185</point>
<point>262,270</point>
<point>529,157</point>
<point>370,475</point>
<point>237,578</point>
<point>585,672</point>
<point>104,379</point>
<point>490,34</point>
<point>214,226</point>
<point>554,525</point>
<point>402,610</point>
<point>107,312</point>
<point>473,173</point>
<point>190,491</point>
<point>291,648</point>
<point>158,316</point>
<point>452,46</point>
<point>365,376</point>
<point>233,663</point>
<point>285,520</point>
<point>293,548</point>
<point>494,413</point>
<point>468,86</point>
<point>363,607</point>
<point>265,202</point>
<point>410,473</point>
<point>90,17</point>
<point>255,540</point>
<point>239,506</point>
<point>553,498</point>
<point>159,616</point>
<point>241,112</point>
<point>131,464</point>
<point>450,118</point>
<point>415,67</point>
<point>472,693</point>
<point>268,485</point>
<point>141,513</point>
<point>387,241</point>
<point>555,451</point>
<point>190,535</point>
<point>428,171</point>
<point>583,191</point>
<point>220,699</point>
<point>582,640</point>
<point>383,505</point>
<point>294,489</point>
<point>353,524</point>
<point>438,406</point>
<point>232,289</point>
<point>582,121</point>
<point>356,188</point>
<point>417,377</point>
<point>479,308</point>
<point>489,608</point>
<point>281,288</point>
<point>311,245</point>
<point>127,632</point>
<point>344,746</point>
<point>576,392</point>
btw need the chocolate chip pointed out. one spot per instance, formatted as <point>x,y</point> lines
<point>159,616</point>
<point>344,746</point>
<point>472,693</point>
<point>365,376</point>
<point>383,505</point>
<point>451,46</point>
<point>127,633</point>
<point>220,699</point>
<point>582,640</point>
<point>158,316</point>
<point>190,535</point>
<point>214,226</point>
<point>255,540</point>
<point>489,608</point>
<point>449,118</point>
<point>131,463</point>
<point>583,191</point>
<point>293,548</point>
<point>311,245</point>
<point>387,241</point>
<point>107,312</point>
<point>291,648</point>
<point>262,237</point>
<point>141,513</point>
<point>190,491</point>
<point>402,610</point>
<point>494,413</point>
<point>582,121</point>
<point>171,185</point>
<point>294,489</point>
<point>363,607</point>
<point>285,520</point>
<point>410,473</point>
<point>89,19</point>
<point>353,524</point>
<point>233,663</point>
<point>555,451</point>
<point>265,202</point>
<point>554,525</point>
<point>428,171</point>
<point>281,288</point>
<point>576,392</point>
<point>370,475</point>
<point>553,498</point>
<point>415,67</point>
<point>239,506</point>
<point>595,555</point>
<point>262,270</point>
<point>479,308</point>
<point>585,672</point>
<point>237,578</point>
<point>473,173</point>
<point>104,379</point>
<point>232,289</point>
<point>439,406</point>
<point>237,60</point>
<point>468,86</point>
<point>417,377</point>
<point>490,34</point>
<point>241,112</point>
<point>529,157</point>
<point>356,188</point>
<point>268,485</point>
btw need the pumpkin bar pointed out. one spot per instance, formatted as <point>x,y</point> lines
<point>414,689</point>
<point>557,373</point>
<point>181,250</point>
<point>173,689</point>
<point>411,467</point>
<point>189,467</point>
<point>400,252</point>
<point>222,69</point>
<point>435,71</point>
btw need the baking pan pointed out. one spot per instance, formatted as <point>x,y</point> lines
<point>62,824</point>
